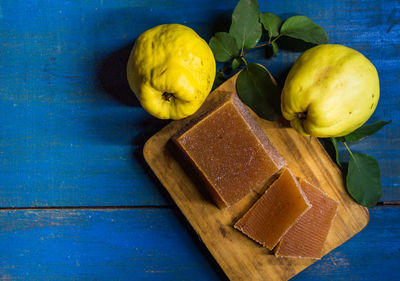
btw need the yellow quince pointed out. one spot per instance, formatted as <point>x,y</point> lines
<point>171,70</point>
<point>330,91</point>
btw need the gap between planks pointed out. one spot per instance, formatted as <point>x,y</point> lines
<point>86,207</point>
<point>379,204</point>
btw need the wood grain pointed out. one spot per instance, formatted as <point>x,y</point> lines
<point>238,256</point>
<point>71,128</point>
<point>71,135</point>
<point>113,244</point>
<point>158,244</point>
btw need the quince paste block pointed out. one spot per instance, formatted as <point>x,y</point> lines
<point>277,210</point>
<point>229,151</point>
<point>307,237</point>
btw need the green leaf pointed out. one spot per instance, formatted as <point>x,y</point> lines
<point>271,23</point>
<point>331,146</point>
<point>236,63</point>
<point>274,48</point>
<point>224,47</point>
<point>219,79</point>
<point>301,27</point>
<point>365,131</point>
<point>245,27</point>
<point>363,179</point>
<point>256,89</point>
<point>335,146</point>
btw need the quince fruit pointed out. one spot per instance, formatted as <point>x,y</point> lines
<point>330,91</point>
<point>171,70</point>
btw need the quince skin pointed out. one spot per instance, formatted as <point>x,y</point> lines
<point>171,70</point>
<point>330,91</point>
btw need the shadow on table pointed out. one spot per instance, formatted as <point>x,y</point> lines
<point>149,127</point>
<point>200,245</point>
<point>280,77</point>
<point>221,23</point>
<point>111,74</point>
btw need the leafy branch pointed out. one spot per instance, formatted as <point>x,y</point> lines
<point>257,88</point>
<point>244,34</point>
<point>362,171</point>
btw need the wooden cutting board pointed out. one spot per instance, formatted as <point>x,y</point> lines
<point>239,257</point>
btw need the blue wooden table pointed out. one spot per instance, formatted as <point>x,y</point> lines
<point>77,199</point>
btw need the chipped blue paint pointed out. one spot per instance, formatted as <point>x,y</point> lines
<point>71,135</point>
<point>156,245</point>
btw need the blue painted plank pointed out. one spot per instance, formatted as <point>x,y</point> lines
<point>157,244</point>
<point>98,245</point>
<point>70,130</point>
<point>373,254</point>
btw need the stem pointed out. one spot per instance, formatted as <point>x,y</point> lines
<point>348,149</point>
<point>255,47</point>
<point>276,38</point>
<point>261,45</point>
<point>351,154</point>
<point>245,62</point>
<point>167,96</point>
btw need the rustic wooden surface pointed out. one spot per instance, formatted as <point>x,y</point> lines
<point>240,257</point>
<point>158,244</point>
<point>72,134</point>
